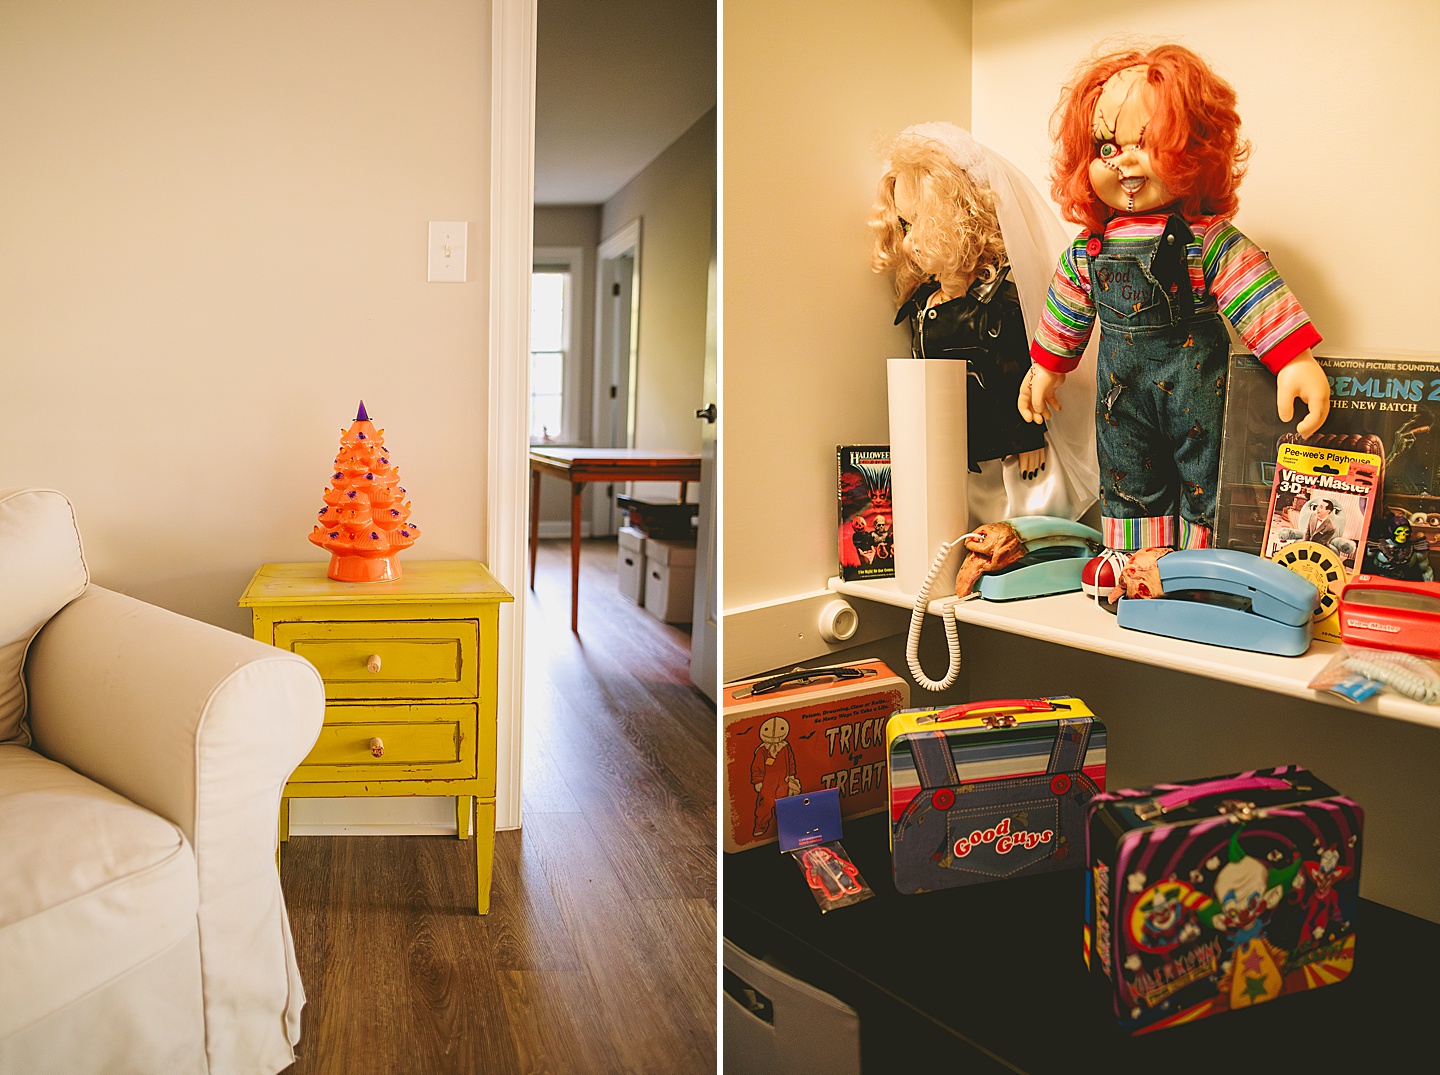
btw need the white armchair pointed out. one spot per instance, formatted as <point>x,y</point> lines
<point>142,925</point>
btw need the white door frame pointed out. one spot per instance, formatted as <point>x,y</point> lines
<point>512,213</point>
<point>705,629</point>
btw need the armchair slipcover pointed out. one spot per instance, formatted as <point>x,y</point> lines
<point>142,755</point>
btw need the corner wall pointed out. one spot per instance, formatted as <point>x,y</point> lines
<point>813,90</point>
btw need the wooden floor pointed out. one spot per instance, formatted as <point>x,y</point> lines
<point>599,952</point>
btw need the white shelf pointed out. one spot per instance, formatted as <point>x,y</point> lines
<point>1074,620</point>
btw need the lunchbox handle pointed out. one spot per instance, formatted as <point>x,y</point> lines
<point>1181,796</point>
<point>802,676</point>
<point>1006,705</point>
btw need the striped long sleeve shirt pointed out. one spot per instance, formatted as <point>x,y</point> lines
<point>1222,262</point>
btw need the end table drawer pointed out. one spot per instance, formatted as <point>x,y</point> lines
<point>416,742</point>
<point>389,658</point>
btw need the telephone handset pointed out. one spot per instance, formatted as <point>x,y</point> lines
<point>1227,598</point>
<point>1028,556</point>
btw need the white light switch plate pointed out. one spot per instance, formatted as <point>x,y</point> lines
<point>447,251</point>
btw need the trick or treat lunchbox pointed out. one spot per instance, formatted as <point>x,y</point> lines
<point>805,730</point>
<point>1218,894</point>
<point>990,790</point>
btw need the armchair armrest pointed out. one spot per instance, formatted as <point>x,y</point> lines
<point>202,726</point>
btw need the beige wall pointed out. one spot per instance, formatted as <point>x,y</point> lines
<point>674,196</point>
<point>215,245</point>
<point>573,226</point>
<point>812,91</point>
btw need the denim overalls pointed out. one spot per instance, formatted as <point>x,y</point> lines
<point>1160,392</point>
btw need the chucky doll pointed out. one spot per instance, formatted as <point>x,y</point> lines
<point>1148,158</point>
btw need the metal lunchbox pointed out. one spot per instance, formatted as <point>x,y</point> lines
<point>991,790</point>
<point>1211,895</point>
<point>805,730</point>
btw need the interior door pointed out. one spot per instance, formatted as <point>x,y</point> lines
<point>704,630</point>
<point>614,362</point>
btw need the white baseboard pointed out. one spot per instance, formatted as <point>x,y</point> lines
<point>420,815</point>
<point>560,528</point>
<point>776,634</point>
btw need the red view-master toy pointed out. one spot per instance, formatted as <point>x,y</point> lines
<point>1386,613</point>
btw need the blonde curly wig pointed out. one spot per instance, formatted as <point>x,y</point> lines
<point>955,234</point>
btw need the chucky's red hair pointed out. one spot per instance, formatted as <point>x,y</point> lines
<point>1193,138</point>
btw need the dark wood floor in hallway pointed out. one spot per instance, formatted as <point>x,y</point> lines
<point>598,954</point>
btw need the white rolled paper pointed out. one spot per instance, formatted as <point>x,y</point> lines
<point>928,466</point>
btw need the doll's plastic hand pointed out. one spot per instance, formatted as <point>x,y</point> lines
<point>1302,378</point>
<point>1037,394</point>
<point>1032,463</point>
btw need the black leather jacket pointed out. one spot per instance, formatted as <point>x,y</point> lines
<point>985,327</point>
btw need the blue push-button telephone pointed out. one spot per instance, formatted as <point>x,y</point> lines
<point>1056,551</point>
<point>1227,598</point>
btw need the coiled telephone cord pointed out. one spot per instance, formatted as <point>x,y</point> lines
<point>947,617</point>
<point>1403,673</point>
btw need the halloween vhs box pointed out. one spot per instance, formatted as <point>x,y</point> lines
<point>866,531</point>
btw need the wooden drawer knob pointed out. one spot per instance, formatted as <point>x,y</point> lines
<point>372,665</point>
<point>377,747</point>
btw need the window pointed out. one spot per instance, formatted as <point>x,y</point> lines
<point>554,310</point>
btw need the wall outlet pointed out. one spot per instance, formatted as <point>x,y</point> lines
<point>447,251</point>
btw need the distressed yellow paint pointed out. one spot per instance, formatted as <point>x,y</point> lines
<point>412,659</point>
<point>396,658</point>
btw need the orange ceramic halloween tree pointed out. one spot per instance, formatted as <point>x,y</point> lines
<point>366,520</point>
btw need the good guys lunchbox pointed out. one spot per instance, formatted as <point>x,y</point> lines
<point>1211,895</point>
<point>991,790</point>
<point>805,730</point>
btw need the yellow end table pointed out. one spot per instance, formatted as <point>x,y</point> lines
<point>409,669</point>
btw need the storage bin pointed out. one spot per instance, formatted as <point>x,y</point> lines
<point>669,579</point>
<point>776,1024</point>
<point>666,520</point>
<point>630,567</point>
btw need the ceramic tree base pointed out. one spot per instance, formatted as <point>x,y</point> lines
<point>364,568</point>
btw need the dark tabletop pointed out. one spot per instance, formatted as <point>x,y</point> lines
<point>992,976</point>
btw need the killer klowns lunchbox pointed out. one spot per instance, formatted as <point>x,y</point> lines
<point>1217,894</point>
<point>990,790</point>
<point>805,730</point>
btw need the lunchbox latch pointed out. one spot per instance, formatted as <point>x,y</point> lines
<point>1149,810</point>
<point>1240,811</point>
<point>1002,720</point>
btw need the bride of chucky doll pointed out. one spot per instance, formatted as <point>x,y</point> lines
<point>1148,157</point>
<point>968,242</point>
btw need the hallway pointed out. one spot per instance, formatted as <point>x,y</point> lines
<point>598,954</point>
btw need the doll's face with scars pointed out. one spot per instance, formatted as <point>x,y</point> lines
<point>1121,173</point>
